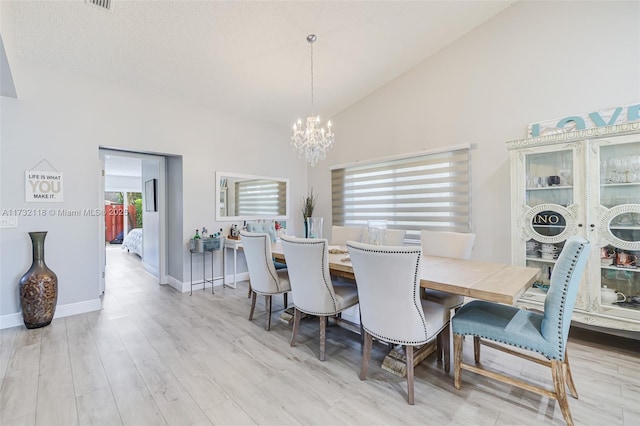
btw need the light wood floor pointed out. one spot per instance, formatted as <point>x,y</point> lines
<point>154,356</point>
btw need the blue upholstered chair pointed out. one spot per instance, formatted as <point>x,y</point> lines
<point>263,276</point>
<point>543,333</point>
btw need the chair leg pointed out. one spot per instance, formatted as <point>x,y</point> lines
<point>296,326</point>
<point>361,330</point>
<point>267,302</point>
<point>249,291</point>
<point>457,360</point>
<point>445,340</point>
<point>476,349</point>
<point>366,355</point>
<point>253,305</point>
<point>561,395</point>
<point>323,336</point>
<point>439,347</point>
<point>408,350</point>
<point>569,377</point>
<point>286,300</point>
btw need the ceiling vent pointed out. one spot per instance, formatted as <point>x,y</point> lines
<point>102,4</point>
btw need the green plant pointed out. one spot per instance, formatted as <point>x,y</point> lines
<point>138,204</point>
<point>308,204</point>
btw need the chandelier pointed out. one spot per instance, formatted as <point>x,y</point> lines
<point>312,141</point>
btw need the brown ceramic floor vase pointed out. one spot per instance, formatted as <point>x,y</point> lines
<point>38,287</point>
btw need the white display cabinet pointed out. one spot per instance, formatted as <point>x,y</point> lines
<point>586,183</point>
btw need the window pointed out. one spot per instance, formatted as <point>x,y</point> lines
<point>422,192</point>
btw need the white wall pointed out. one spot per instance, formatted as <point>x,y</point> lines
<point>151,220</point>
<point>65,118</point>
<point>532,62</point>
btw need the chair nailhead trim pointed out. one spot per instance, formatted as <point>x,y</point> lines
<point>324,278</point>
<point>399,342</point>
<point>565,289</point>
<point>276,280</point>
<point>419,309</point>
<point>562,305</point>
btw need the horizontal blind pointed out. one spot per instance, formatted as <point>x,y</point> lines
<point>259,197</point>
<point>425,192</point>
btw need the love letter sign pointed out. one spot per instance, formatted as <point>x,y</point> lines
<point>606,117</point>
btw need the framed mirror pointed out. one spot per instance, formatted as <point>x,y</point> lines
<point>249,197</point>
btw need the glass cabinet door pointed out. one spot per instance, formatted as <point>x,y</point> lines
<point>549,178</point>
<point>549,181</point>
<point>618,204</point>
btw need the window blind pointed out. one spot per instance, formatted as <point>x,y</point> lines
<point>424,192</point>
<point>259,197</point>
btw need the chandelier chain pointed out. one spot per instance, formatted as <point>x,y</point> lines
<point>311,43</point>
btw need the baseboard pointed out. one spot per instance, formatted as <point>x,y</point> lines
<point>185,287</point>
<point>150,269</point>
<point>197,285</point>
<point>174,283</point>
<point>14,320</point>
<point>242,276</point>
<point>11,320</point>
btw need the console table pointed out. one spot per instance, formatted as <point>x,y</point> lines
<point>204,275</point>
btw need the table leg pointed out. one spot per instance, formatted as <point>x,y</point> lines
<point>396,361</point>
<point>224,266</point>
<point>235,266</point>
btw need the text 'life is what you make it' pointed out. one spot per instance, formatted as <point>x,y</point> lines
<point>43,186</point>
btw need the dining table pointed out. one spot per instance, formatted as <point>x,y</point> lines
<point>491,281</point>
<point>476,279</point>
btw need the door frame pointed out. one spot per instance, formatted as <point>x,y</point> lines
<point>161,201</point>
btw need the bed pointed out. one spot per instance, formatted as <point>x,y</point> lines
<point>133,241</point>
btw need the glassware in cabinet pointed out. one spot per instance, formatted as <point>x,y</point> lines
<point>549,178</point>
<point>619,204</point>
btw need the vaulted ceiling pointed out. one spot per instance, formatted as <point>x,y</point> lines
<point>249,58</point>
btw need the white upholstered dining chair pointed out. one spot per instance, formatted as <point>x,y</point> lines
<point>395,237</point>
<point>457,245</point>
<point>391,309</point>
<point>341,234</point>
<point>313,291</point>
<point>263,276</point>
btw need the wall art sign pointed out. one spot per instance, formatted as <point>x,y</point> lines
<point>587,120</point>
<point>43,187</point>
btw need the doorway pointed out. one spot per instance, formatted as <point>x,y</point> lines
<point>134,218</point>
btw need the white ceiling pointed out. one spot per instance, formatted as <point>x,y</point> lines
<point>249,58</point>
